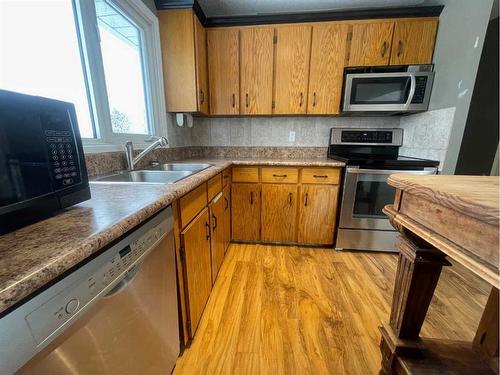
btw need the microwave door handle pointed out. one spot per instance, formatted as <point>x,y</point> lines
<point>413,85</point>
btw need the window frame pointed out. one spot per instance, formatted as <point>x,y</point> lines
<point>92,62</point>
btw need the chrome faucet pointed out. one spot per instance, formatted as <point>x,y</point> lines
<point>129,151</point>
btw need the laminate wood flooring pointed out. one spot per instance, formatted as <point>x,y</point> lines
<point>294,310</point>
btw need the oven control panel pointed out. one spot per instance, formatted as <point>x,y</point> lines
<point>366,137</point>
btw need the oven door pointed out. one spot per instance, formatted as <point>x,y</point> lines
<point>379,92</point>
<point>366,192</point>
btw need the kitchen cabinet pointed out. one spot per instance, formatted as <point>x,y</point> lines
<point>256,94</point>
<point>226,196</point>
<point>216,211</point>
<point>224,71</point>
<point>413,41</point>
<point>328,53</point>
<point>184,56</point>
<point>317,214</point>
<point>293,45</point>
<point>370,43</point>
<point>195,248</point>
<point>279,212</point>
<point>246,209</point>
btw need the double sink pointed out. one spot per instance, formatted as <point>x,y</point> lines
<point>157,174</point>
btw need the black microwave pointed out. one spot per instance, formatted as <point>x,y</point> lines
<point>42,165</point>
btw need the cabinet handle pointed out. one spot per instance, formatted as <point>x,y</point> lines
<point>247,101</point>
<point>314,99</point>
<point>306,197</point>
<point>202,97</point>
<point>233,101</point>
<point>384,48</point>
<point>301,99</point>
<point>227,203</point>
<point>214,222</point>
<point>280,175</point>
<point>400,48</point>
<point>251,197</point>
<point>207,226</point>
<point>320,176</point>
<point>290,199</point>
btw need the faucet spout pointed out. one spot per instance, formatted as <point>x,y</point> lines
<point>129,151</point>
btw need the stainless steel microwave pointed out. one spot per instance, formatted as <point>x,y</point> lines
<point>42,166</point>
<point>387,90</point>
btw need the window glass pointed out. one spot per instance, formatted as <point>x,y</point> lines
<point>39,54</point>
<point>123,69</point>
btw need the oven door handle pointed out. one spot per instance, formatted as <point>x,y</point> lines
<point>413,86</point>
<point>425,171</point>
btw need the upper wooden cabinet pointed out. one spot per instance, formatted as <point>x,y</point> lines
<point>256,94</point>
<point>370,43</point>
<point>328,52</point>
<point>293,45</point>
<point>413,41</point>
<point>184,55</point>
<point>224,71</point>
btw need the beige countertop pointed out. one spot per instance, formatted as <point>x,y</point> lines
<point>37,254</point>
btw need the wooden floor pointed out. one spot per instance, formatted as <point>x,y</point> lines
<point>292,310</point>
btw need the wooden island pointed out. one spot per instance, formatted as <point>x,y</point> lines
<point>441,218</point>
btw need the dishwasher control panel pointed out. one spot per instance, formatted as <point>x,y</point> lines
<point>108,275</point>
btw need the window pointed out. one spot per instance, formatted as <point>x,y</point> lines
<point>101,55</point>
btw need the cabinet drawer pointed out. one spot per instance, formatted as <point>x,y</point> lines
<point>192,203</point>
<point>226,177</point>
<point>214,186</point>
<point>245,174</point>
<point>280,175</point>
<point>321,176</point>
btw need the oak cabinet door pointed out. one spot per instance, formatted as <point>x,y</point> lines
<point>195,240</point>
<point>413,42</point>
<point>256,73</point>
<point>224,71</point>
<point>245,206</point>
<point>293,45</point>
<point>317,214</point>
<point>226,196</point>
<point>201,65</point>
<point>328,52</point>
<point>279,212</point>
<point>216,210</point>
<point>370,43</point>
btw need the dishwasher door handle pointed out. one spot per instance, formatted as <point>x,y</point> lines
<point>124,282</point>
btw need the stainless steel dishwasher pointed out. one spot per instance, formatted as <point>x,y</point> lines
<point>117,314</point>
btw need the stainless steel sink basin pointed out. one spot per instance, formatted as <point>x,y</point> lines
<point>144,177</point>
<point>192,167</point>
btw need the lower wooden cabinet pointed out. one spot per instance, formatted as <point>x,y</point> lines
<point>317,214</point>
<point>226,197</point>
<point>245,206</point>
<point>279,212</point>
<point>195,243</point>
<point>216,210</point>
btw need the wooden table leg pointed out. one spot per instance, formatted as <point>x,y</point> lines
<point>419,268</point>
<point>486,339</point>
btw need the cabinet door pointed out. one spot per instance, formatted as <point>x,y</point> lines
<point>279,212</point>
<point>256,74</point>
<point>317,213</point>
<point>245,206</point>
<point>226,194</point>
<point>195,240</point>
<point>370,43</point>
<point>224,71</point>
<point>293,44</point>
<point>328,53</point>
<point>216,209</point>
<point>413,42</point>
<point>201,65</point>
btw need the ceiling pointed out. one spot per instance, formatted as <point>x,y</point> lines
<point>218,8</point>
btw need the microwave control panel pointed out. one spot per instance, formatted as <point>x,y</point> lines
<point>420,88</point>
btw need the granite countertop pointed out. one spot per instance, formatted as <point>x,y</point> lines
<point>35,255</point>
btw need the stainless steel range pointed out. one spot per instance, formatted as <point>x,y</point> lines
<point>371,156</point>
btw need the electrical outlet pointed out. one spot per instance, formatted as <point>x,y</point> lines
<point>291,136</point>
